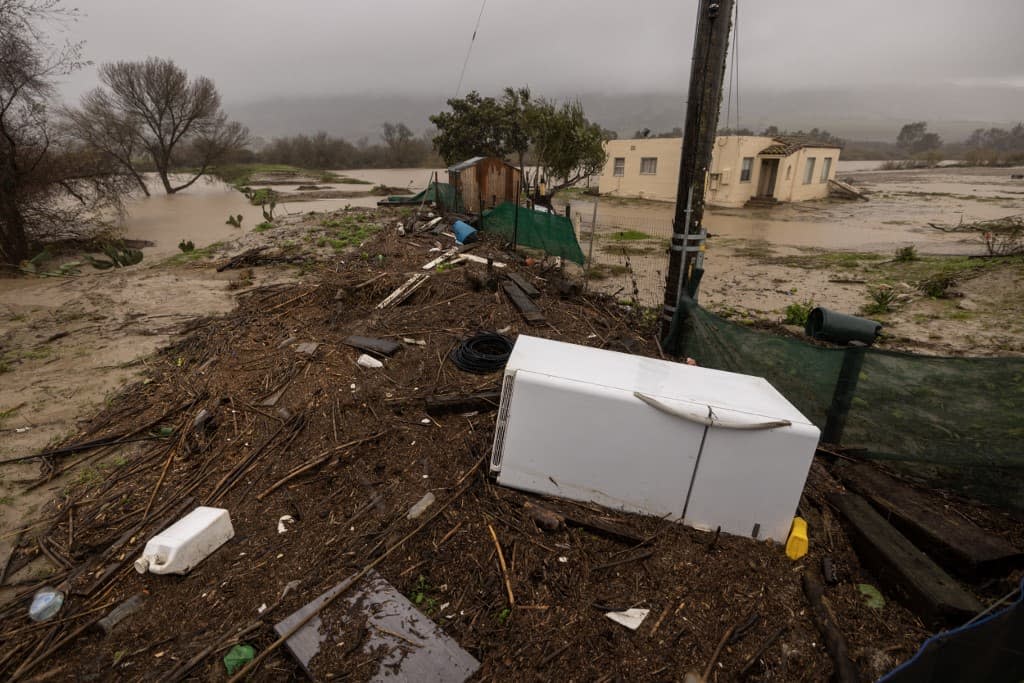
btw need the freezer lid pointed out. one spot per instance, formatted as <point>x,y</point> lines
<point>660,379</point>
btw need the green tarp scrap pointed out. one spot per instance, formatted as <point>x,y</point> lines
<point>946,422</point>
<point>434,191</point>
<point>549,232</point>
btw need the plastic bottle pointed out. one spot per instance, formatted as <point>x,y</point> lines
<point>45,604</point>
<point>187,542</point>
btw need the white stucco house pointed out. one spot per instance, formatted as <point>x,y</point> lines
<point>744,169</point>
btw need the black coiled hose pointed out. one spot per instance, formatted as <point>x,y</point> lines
<point>482,353</point>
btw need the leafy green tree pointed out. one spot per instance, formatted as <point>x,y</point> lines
<point>563,146</point>
<point>483,126</point>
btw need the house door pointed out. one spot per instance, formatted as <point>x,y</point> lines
<point>769,174</point>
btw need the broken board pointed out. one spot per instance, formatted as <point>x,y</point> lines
<point>955,540</point>
<point>405,291</point>
<point>522,283</point>
<point>384,347</point>
<point>531,312</point>
<point>407,645</point>
<point>927,590</point>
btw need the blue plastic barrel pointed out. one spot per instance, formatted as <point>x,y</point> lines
<point>464,232</point>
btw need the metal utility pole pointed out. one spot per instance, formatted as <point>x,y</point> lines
<point>707,71</point>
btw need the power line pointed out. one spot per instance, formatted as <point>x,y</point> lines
<point>469,50</point>
<point>734,74</point>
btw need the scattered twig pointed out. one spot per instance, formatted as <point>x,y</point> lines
<point>504,567</point>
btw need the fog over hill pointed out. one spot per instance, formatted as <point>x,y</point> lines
<point>855,113</point>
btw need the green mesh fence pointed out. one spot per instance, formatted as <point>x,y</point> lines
<point>549,232</point>
<point>441,194</point>
<point>952,423</point>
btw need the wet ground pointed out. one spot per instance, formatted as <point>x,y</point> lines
<point>68,343</point>
<point>832,252</point>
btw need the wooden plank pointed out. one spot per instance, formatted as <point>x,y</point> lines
<point>952,539</point>
<point>524,285</point>
<point>920,583</point>
<point>405,291</point>
<point>385,347</point>
<point>531,312</point>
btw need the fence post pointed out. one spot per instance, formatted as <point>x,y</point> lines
<point>590,250</point>
<point>842,398</point>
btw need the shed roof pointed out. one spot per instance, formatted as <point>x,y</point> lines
<point>784,145</point>
<point>463,165</point>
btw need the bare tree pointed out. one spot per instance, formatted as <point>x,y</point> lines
<point>49,187</point>
<point>152,108</point>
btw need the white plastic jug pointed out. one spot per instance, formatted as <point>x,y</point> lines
<point>186,543</point>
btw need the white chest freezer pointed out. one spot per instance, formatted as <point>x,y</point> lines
<point>704,447</point>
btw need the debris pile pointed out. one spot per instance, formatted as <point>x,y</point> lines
<point>337,474</point>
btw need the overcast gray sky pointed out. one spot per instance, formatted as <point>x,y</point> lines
<point>255,49</point>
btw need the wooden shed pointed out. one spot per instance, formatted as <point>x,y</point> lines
<point>484,182</point>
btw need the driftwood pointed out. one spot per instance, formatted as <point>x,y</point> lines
<point>835,643</point>
<point>248,668</point>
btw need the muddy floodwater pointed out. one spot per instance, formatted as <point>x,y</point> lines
<point>901,207</point>
<point>200,213</point>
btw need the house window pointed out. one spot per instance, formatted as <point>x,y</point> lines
<point>620,167</point>
<point>746,169</point>
<point>789,172</point>
<point>809,171</point>
<point>648,165</point>
<point>826,168</point>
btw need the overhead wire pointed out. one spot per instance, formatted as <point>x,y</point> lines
<point>469,50</point>
<point>734,72</point>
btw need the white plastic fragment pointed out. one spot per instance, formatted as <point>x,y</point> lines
<point>367,361</point>
<point>281,528</point>
<point>417,342</point>
<point>630,618</point>
<point>420,507</point>
<point>425,421</point>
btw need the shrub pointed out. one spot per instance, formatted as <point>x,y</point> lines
<point>797,312</point>
<point>186,247</point>
<point>907,254</point>
<point>883,297</point>
<point>264,226</point>
<point>937,286</point>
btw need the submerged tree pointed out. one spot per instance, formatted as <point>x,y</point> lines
<point>151,108</point>
<point>50,187</point>
<point>914,138</point>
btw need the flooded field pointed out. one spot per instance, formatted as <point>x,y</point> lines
<point>830,252</point>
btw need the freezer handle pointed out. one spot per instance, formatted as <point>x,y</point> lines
<point>708,419</point>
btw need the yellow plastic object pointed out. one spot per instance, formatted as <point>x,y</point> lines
<point>796,546</point>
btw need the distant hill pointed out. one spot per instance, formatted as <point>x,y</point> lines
<point>857,114</point>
